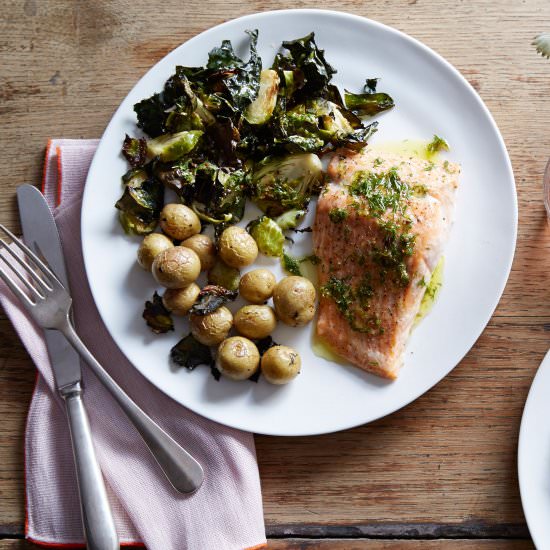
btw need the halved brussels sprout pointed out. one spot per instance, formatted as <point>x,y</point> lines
<point>173,146</point>
<point>141,203</point>
<point>282,184</point>
<point>261,109</point>
<point>290,219</point>
<point>268,236</point>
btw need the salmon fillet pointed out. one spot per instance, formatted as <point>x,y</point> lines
<point>379,232</point>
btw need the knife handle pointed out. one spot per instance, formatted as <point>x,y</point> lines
<point>182,470</point>
<point>97,519</point>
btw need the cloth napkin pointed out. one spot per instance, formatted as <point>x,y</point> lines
<point>225,513</point>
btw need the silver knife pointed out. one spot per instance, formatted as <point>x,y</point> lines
<point>40,234</point>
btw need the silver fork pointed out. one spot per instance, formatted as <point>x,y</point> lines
<point>49,303</point>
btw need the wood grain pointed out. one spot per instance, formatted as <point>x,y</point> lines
<point>449,459</point>
<point>309,544</point>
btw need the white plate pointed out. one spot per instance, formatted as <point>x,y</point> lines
<point>534,457</point>
<point>431,97</point>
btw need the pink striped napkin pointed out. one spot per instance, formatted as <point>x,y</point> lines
<point>225,513</point>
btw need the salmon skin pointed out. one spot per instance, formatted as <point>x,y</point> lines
<point>379,232</point>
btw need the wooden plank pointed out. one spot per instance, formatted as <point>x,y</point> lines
<point>364,544</point>
<point>447,458</point>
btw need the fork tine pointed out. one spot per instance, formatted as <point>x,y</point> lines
<point>15,288</point>
<point>28,269</point>
<point>22,246</point>
<point>35,293</point>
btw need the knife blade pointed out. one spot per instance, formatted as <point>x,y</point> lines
<point>41,235</point>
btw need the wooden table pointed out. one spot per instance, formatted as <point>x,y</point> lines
<point>440,473</point>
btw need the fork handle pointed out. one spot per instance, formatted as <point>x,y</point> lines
<point>97,519</point>
<point>181,469</point>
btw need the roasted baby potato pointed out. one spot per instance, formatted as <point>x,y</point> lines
<point>280,364</point>
<point>152,245</point>
<point>238,358</point>
<point>213,328</point>
<point>294,300</point>
<point>255,322</point>
<point>179,221</point>
<point>176,267</point>
<point>237,248</point>
<point>180,300</point>
<point>205,249</point>
<point>257,285</point>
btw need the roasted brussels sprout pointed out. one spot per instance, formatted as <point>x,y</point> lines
<point>255,322</point>
<point>268,236</point>
<point>290,219</point>
<point>238,358</point>
<point>157,316</point>
<point>280,364</point>
<point>281,184</point>
<point>261,109</point>
<point>294,301</point>
<point>237,248</point>
<point>257,285</point>
<point>179,221</point>
<point>141,203</point>
<point>213,328</point>
<point>211,297</point>
<point>223,275</point>
<point>173,146</point>
<point>152,245</point>
<point>176,267</point>
<point>135,151</point>
<point>205,249</point>
<point>180,300</point>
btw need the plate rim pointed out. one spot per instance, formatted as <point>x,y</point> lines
<point>521,456</point>
<point>432,54</point>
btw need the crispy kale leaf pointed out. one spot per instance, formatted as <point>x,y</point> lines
<point>303,56</point>
<point>135,151</point>
<point>370,102</point>
<point>157,316</point>
<point>150,114</point>
<point>210,298</point>
<point>190,353</point>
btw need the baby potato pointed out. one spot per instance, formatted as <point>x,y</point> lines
<point>179,221</point>
<point>237,248</point>
<point>176,267</point>
<point>238,358</point>
<point>180,300</point>
<point>255,322</point>
<point>280,364</point>
<point>257,285</point>
<point>294,300</point>
<point>213,328</point>
<point>205,249</point>
<point>152,245</point>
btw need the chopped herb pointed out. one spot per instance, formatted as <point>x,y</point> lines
<point>429,166</point>
<point>337,215</point>
<point>377,162</point>
<point>315,260</point>
<point>304,230</point>
<point>420,190</point>
<point>422,282</point>
<point>382,191</point>
<point>291,264</point>
<point>437,144</point>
